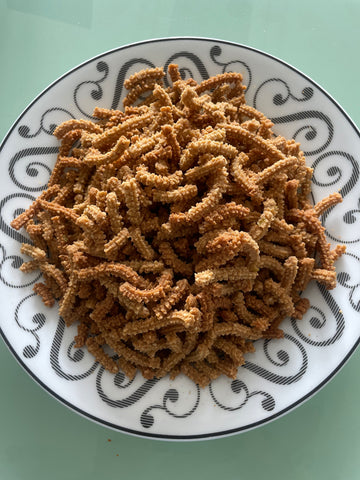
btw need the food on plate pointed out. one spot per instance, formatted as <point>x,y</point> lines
<point>178,231</point>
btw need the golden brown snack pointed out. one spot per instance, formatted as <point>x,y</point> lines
<point>178,231</point>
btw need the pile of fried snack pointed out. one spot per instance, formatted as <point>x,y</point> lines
<point>178,231</point>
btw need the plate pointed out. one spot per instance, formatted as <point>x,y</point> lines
<point>282,373</point>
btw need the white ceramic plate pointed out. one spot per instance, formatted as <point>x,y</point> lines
<point>282,373</point>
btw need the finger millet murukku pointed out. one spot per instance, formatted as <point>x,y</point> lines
<point>178,231</point>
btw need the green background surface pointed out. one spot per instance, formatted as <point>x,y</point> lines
<point>42,439</point>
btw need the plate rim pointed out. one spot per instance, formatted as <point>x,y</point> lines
<point>157,436</point>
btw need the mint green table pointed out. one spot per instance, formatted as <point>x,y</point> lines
<point>40,438</point>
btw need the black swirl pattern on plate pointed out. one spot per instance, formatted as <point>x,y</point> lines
<point>32,168</point>
<point>319,320</point>
<point>283,359</point>
<point>74,356</point>
<point>352,284</point>
<point>38,319</point>
<point>232,66</point>
<point>340,170</point>
<point>122,383</point>
<point>171,396</point>
<point>334,162</point>
<point>48,122</point>
<point>96,90</point>
<point>239,389</point>
<point>350,217</point>
<point>308,131</point>
<point>280,98</point>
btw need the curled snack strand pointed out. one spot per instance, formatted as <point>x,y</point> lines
<point>141,244</point>
<point>94,157</point>
<point>148,295</point>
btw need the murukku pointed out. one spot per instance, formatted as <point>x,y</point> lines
<point>178,231</point>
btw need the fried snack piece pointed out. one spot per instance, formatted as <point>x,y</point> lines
<point>177,232</point>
